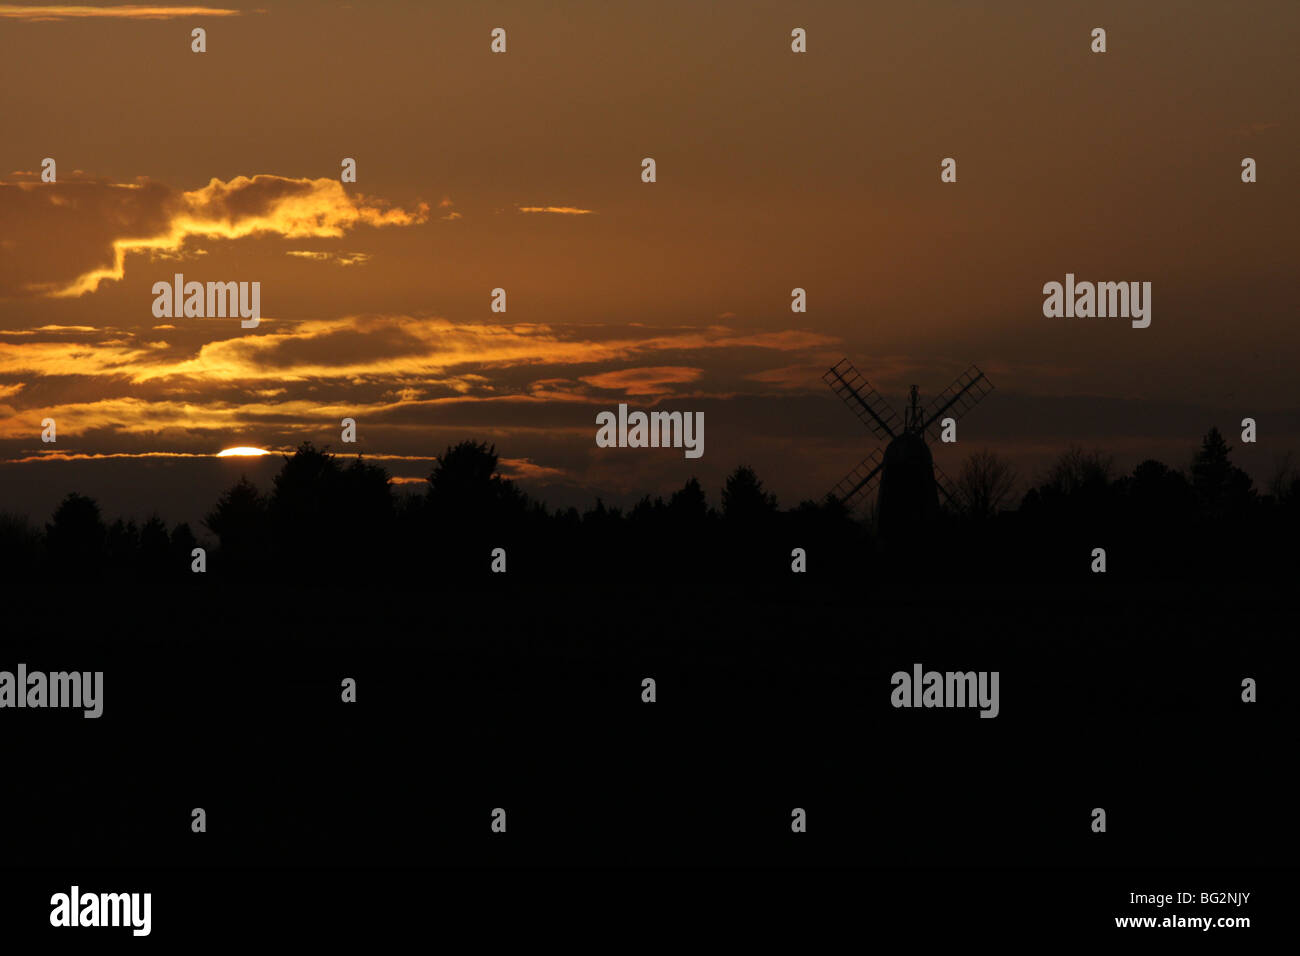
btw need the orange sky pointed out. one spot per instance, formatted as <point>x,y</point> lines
<point>522,171</point>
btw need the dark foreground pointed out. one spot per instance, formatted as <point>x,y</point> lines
<point>532,702</point>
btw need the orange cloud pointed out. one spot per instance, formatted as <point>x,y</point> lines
<point>103,222</point>
<point>404,346</point>
<point>644,381</point>
<point>85,456</point>
<point>197,392</point>
<point>404,351</point>
<point>528,469</point>
<point>342,258</point>
<point>125,12</point>
<point>561,210</point>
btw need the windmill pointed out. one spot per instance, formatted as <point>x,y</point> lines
<point>909,481</point>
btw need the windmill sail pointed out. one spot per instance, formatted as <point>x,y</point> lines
<point>957,399</point>
<point>868,404</point>
<point>857,484</point>
<point>947,490</point>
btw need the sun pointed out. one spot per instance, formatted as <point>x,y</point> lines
<point>243,451</point>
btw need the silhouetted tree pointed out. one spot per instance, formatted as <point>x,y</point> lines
<point>305,511</point>
<point>304,488</point>
<point>744,500</point>
<point>155,544</point>
<point>648,513</point>
<point>240,523</point>
<point>687,505</point>
<point>465,484</point>
<point>183,544</point>
<point>1284,483</point>
<point>1155,489</point>
<point>365,513</point>
<point>985,484</point>
<point>1222,488</point>
<point>123,547</point>
<point>75,534</point>
<point>1078,470</point>
<point>20,547</point>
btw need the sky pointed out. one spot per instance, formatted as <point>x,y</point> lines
<point>522,171</point>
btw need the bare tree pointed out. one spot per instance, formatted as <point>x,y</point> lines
<point>985,484</point>
<point>1285,478</point>
<point>1076,469</point>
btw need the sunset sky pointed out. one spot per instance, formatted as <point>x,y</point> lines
<point>775,170</point>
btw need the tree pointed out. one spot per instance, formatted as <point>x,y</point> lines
<point>1221,487</point>
<point>155,544</point>
<point>76,533</point>
<point>1285,481</point>
<point>687,504</point>
<point>464,485</point>
<point>1156,489</point>
<point>744,499</point>
<point>239,522</point>
<point>19,546</point>
<point>304,488</point>
<point>183,544</point>
<point>123,545</point>
<point>1078,470</point>
<point>985,484</point>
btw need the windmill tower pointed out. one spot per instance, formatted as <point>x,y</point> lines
<point>910,484</point>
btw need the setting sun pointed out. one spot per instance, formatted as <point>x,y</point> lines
<point>242,451</point>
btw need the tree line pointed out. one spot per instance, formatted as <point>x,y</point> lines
<point>326,520</point>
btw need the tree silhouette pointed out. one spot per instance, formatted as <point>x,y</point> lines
<point>985,484</point>
<point>122,545</point>
<point>1155,489</point>
<point>328,520</point>
<point>75,534</point>
<point>303,489</point>
<point>465,484</point>
<point>1222,487</point>
<point>744,500</point>
<point>20,547</point>
<point>1080,471</point>
<point>239,522</point>
<point>365,513</point>
<point>1284,484</point>
<point>687,505</point>
<point>183,544</point>
<point>155,544</point>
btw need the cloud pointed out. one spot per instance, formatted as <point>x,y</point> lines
<point>398,371</point>
<point>527,469</point>
<point>96,456</point>
<point>1255,129</point>
<point>77,234</point>
<point>124,12</point>
<point>644,381</point>
<point>559,210</point>
<point>342,258</point>
<point>793,376</point>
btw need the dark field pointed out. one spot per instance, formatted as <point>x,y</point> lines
<point>531,701</point>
